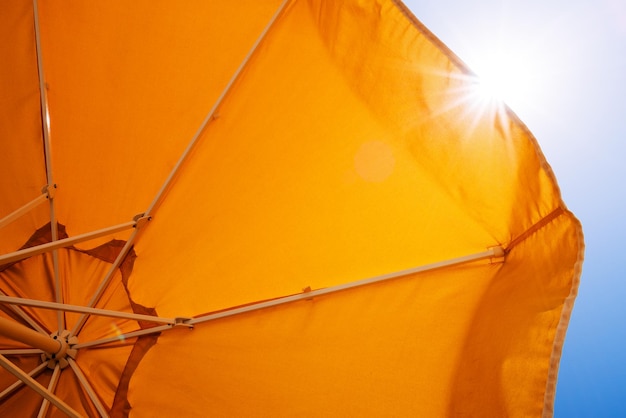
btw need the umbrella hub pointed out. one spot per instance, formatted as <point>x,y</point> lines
<point>67,342</point>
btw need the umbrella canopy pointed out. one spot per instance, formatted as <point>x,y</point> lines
<point>276,208</point>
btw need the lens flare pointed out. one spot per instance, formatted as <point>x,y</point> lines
<point>117,331</point>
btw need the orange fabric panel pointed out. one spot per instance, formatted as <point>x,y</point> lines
<point>296,184</point>
<point>130,84</point>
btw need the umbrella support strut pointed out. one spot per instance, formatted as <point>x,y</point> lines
<point>496,254</point>
<point>33,373</point>
<point>126,336</point>
<point>62,243</point>
<point>94,311</point>
<point>33,384</point>
<point>47,193</point>
<point>21,352</point>
<point>26,317</point>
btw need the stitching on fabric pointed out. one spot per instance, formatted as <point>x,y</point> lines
<point>566,313</point>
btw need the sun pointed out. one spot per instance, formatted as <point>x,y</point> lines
<point>496,81</point>
<point>504,77</point>
<point>508,76</point>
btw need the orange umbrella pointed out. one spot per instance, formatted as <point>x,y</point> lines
<point>277,208</point>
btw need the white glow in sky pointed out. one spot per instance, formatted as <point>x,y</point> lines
<point>508,76</point>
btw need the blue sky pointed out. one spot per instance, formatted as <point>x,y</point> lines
<point>574,101</point>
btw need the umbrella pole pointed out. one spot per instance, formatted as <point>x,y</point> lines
<point>18,332</point>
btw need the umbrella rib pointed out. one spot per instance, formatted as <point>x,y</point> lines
<point>64,307</point>
<point>51,387</point>
<point>183,158</point>
<point>33,373</point>
<point>43,96</point>
<point>45,119</point>
<point>21,351</point>
<point>494,252</point>
<point>37,387</point>
<point>92,394</point>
